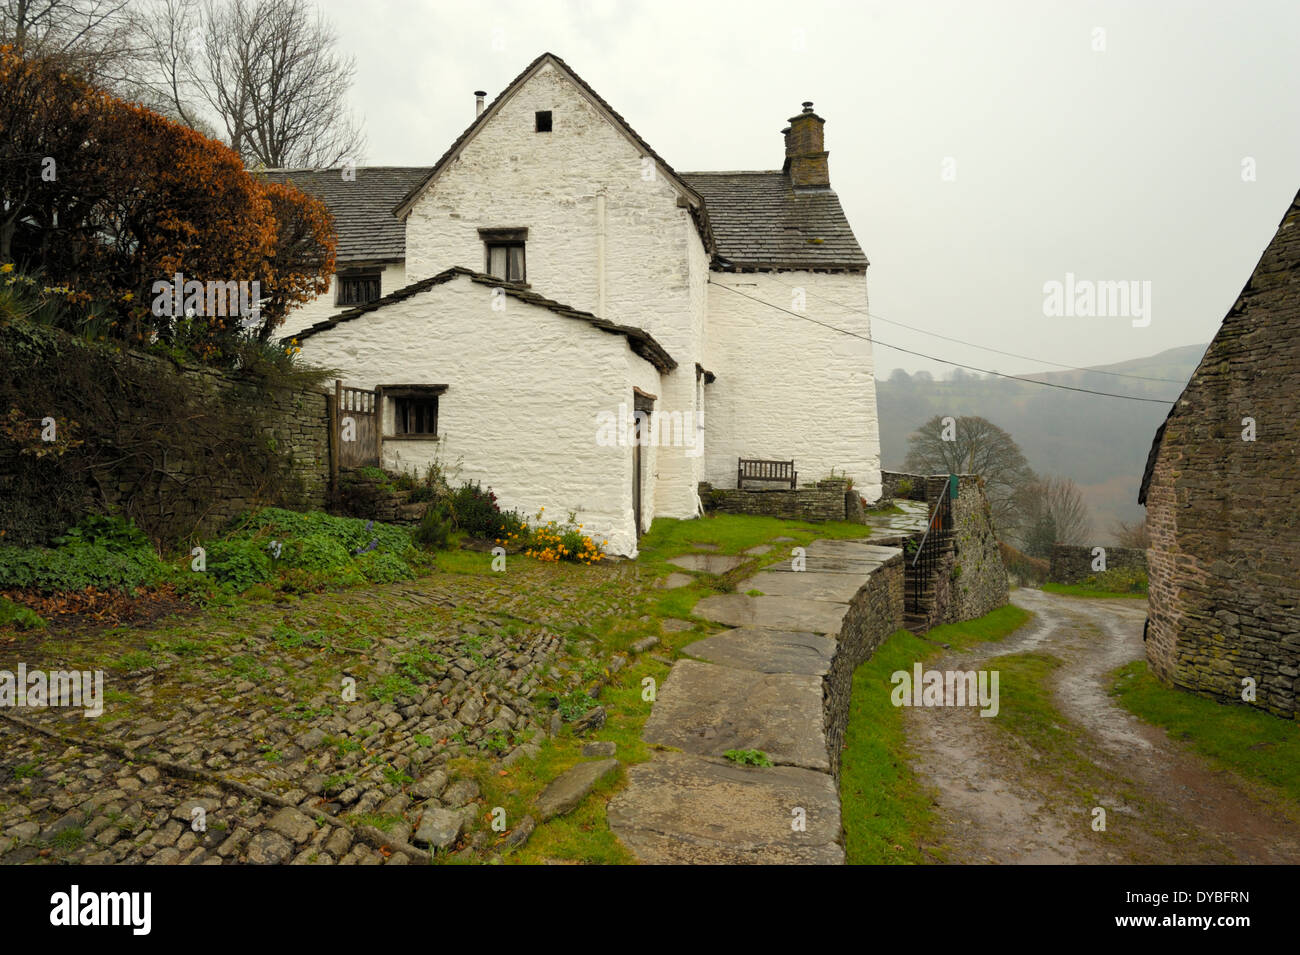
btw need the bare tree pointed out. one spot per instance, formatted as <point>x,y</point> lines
<point>974,445</point>
<point>1057,502</point>
<point>1132,534</point>
<point>267,72</point>
<point>99,40</point>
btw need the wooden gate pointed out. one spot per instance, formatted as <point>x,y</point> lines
<point>357,432</point>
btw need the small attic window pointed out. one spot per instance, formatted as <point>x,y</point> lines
<point>543,118</point>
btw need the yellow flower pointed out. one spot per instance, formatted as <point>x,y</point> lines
<point>7,267</point>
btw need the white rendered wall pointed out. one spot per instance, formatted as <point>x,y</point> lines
<point>525,387</point>
<point>322,306</point>
<point>787,388</point>
<point>509,175</point>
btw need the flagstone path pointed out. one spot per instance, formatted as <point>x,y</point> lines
<point>776,683</point>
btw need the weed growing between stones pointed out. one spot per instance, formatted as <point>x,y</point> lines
<point>748,757</point>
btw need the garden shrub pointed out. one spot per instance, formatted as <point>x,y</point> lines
<point>315,553</point>
<point>239,563</point>
<point>434,531</point>
<point>383,568</point>
<point>19,616</point>
<point>475,511</point>
<point>353,534</point>
<point>107,553</point>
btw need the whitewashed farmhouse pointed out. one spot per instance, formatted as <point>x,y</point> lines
<point>550,275</point>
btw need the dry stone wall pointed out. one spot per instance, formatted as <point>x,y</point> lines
<point>875,613</point>
<point>1071,563</point>
<point>180,449</point>
<point>979,577</point>
<point>828,500</point>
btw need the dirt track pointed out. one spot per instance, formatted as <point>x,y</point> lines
<point>1000,802</point>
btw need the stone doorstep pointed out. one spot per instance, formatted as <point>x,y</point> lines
<point>706,709</point>
<point>680,809</point>
<point>776,613</point>
<point>767,651</point>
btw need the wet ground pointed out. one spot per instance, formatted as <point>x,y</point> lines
<point>1000,801</point>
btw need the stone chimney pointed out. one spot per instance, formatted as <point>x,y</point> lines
<point>479,96</point>
<point>805,157</point>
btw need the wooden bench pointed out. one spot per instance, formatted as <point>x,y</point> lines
<point>752,469</point>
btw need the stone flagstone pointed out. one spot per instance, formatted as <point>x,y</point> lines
<point>767,651</point>
<point>680,809</point>
<point>708,709</point>
<point>778,613</point>
<point>758,686</point>
<point>839,588</point>
<point>708,563</point>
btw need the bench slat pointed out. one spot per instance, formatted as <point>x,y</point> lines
<point>757,469</point>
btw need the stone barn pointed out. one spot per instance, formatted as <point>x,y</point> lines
<point>1221,488</point>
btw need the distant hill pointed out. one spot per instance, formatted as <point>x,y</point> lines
<point>1100,443</point>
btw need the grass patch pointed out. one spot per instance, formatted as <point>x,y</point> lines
<point>1251,743</point>
<point>887,813</point>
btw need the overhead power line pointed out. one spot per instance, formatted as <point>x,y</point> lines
<point>957,364</point>
<point>996,351</point>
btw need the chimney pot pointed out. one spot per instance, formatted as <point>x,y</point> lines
<point>478,102</point>
<point>807,106</point>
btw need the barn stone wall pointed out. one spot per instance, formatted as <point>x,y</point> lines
<point>1224,559</point>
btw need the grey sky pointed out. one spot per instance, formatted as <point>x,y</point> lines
<point>1124,164</point>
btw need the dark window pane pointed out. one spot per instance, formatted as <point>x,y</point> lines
<point>415,415</point>
<point>358,289</point>
<point>505,260</point>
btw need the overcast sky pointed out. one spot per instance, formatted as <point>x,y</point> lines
<point>1118,164</point>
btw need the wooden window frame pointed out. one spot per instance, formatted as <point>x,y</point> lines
<point>403,393</point>
<point>351,275</point>
<point>512,238</point>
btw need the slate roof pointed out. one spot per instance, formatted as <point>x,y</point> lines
<point>640,341</point>
<point>761,223</point>
<point>1267,300</point>
<point>748,221</point>
<point>363,208</point>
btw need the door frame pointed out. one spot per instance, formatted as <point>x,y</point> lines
<point>645,403</point>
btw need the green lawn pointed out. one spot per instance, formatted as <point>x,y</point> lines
<point>1249,742</point>
<point>886,812</point>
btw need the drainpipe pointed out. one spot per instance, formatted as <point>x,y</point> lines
<point>600,255</point>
